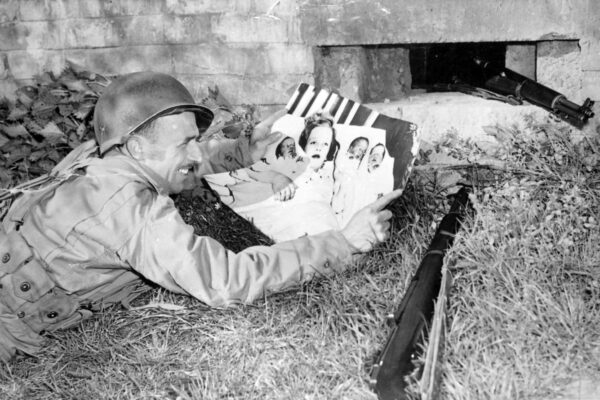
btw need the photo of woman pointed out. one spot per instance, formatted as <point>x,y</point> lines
<point>316,177</point>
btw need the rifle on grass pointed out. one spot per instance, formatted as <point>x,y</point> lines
<point>412,319</point>
<point>510,83</point>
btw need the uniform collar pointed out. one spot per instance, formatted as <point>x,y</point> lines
<point>120,163</point>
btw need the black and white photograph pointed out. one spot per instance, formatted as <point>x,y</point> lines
<point>321,171</point>
<point>300,199</point>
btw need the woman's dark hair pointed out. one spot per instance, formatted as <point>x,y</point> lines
<point>311,124</point>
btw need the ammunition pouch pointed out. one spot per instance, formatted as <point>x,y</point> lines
<point>28,292</point>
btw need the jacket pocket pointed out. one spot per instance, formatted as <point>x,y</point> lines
<point>14,251</point>
<point>50,312</point>
<point>25,285</point>
<point>30,282</point>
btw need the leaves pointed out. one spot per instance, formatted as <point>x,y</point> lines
<point>3,140</point>
<point>51,131</point>
<point>14,130</point>
<point>46,121</point>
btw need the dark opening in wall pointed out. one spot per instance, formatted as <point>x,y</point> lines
<point>445,63</point>
<point>391,72</point>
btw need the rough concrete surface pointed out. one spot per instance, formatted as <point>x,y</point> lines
<point>438,113</point>
<point>255,40</point>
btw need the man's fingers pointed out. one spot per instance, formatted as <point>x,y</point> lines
<point>270,120</point>
<point>385,227</point>
<point>384,215</point>
<point>386,199</point>
<point>272,138</point>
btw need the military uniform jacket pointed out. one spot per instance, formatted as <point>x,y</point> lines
<point>92,237</point>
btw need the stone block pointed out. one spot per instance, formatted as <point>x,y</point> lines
<point>559,67</point>
<point>9,11</point>
<point>99,8</point>
<point>387,74</point>
<point>31,35</point>
<point>44,34</point>
<point>122,60</point>
<point>115,8</point>
<point>342,68</point>
<point>273,7</point>
<point>141,30</point>
<point>114,31</point>
<point>256,29</point>
<point>255,7</point>
<point>187,7</point>
<point>13,36</point>
<point>86,33</point>
<point>590,53</point>
<point>142,7</point>
<point>259,90</point>
<point>212,59</point>
<point>35,10</point>
<point>24,64</point>
<point>342,22</point>
<point>521,58</point>
<point>4,69</point>
<point>242,60</point>
<point>591,86</point>
<point>187,29</point>
<point>8,88</point>
<point>288,59</point>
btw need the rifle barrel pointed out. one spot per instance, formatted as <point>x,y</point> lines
<point>416,310</point>
<point>526,89</point>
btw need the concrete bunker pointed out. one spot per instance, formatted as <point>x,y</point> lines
<point>378,73</point>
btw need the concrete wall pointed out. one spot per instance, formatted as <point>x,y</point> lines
<point>340,22</point>
<point>253,57</point>
<point>256,51</point>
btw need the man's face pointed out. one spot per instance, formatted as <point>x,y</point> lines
<point>375,158</point>
<point>317,146</point>
<point>173,155</point>
<point>288,148</point>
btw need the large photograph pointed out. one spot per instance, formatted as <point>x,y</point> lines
<point>335,157</point>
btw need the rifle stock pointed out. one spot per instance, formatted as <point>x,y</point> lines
<point>415,311</point>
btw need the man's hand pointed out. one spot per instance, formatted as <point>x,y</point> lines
<point>370,225</point>
<point>262,137</point>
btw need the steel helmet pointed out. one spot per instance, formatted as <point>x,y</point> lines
<point>134,99</point>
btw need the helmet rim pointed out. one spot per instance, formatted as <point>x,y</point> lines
<point>135,99</point>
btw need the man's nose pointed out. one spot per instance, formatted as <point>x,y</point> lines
<point>194,151</point>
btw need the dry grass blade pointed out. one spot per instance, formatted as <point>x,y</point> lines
<point>524,314</point>
<point>430,380</point>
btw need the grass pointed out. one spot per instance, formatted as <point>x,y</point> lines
<point>523,317</point>
<point>526,300</point>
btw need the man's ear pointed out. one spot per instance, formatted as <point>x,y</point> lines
<point>136,147</point>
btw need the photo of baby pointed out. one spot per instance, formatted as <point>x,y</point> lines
<point>319,174</point>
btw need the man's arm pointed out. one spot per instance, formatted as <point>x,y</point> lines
<point>167,251</point>
<point>224,155</point>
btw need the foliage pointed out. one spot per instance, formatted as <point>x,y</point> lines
<point>48,119</point>
<point>524,311</point>
<point>525,314</point>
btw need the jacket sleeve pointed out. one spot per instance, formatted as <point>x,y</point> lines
<point>166,251</point>
<point>224,155</point>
